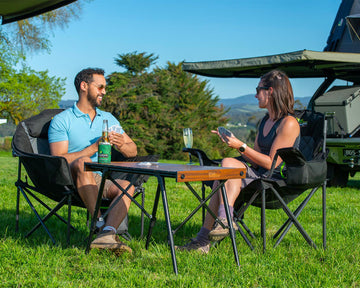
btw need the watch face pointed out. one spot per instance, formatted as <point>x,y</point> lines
<point>242,148</point>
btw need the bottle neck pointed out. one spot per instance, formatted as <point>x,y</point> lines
<point>105,136</point>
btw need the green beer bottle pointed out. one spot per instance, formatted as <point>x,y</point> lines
<point>104,153</point>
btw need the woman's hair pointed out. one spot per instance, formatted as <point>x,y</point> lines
<point>86,75</point>
<point>282,98</point>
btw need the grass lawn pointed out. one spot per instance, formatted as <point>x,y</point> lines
<point>36,262</point>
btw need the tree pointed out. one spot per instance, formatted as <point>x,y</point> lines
<point>23,91</point>
<point>135,63</point>
<point>155,106</point>
<point>31,35</point>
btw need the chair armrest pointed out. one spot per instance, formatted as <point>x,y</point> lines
<point>203,158</point>
<point>290,155</point>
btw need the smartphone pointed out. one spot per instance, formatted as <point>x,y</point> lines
<point>224,133</point>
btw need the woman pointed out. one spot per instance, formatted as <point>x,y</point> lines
<point>278,129</point>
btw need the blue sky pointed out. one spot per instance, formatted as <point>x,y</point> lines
<point>189,30</point>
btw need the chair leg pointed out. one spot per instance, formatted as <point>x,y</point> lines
<point>324,213</point>
<point>17,217</point>
<point>142,213</point>
<point>38,217</point>
<point>288,223</point>
<point>293,219</point>
<point>263,222</point>
<point>243,235</point>
<point>246,228</point>
<point>17,184</point>
<point>68,221</point>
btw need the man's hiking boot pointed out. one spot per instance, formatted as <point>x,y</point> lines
<point>110,241</point>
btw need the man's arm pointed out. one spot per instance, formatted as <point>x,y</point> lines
<point>61,149</point>
<point>123,143</point>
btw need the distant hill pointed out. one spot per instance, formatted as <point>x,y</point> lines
<point>66,103</point>
<point>245,109</point>
<point>249,102</point>
<point>245,99</point>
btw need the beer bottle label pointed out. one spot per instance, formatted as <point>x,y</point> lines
<point>104,153</point>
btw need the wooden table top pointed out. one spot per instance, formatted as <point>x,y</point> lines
<point>181,172</point>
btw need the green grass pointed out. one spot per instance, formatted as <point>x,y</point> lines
<point>36,262</point>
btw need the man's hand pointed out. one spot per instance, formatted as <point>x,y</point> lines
<point>116,139</point>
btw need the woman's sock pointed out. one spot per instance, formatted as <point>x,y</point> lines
<point>203,236</point>
<point>222,213</point>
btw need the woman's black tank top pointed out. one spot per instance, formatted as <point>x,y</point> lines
<point>265,142</point>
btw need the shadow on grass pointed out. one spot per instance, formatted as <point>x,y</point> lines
<point>78,237</point>
<point>354,183</point>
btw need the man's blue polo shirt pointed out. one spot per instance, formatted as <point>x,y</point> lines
<point>76,127</point>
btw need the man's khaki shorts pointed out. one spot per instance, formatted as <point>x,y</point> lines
<point>118,176</point>
<point>107,186</point>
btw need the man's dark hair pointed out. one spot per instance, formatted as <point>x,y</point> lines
<point>86,75</point>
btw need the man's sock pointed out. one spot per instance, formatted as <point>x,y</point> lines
<point>222,213</point>
<point>100,222</point>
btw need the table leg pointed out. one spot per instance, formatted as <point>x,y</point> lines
<point>153,217</point>
<point>97,208</point>
<point>168,222</point>
<point>231,228</point>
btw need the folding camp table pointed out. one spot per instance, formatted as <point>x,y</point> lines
<point>181,173</point>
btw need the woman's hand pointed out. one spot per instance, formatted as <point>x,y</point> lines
<point>234,142</point>
<point>217,133</point>
<point>231,141</point>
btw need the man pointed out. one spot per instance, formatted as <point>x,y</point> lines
<point>75,134</point>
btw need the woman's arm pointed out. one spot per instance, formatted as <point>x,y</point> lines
<point>287,132</point>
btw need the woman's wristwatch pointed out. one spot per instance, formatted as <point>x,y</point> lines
<point>242,148</point>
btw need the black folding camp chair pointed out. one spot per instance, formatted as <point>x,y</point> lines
<point>50,175</point>
<point>305,172</point>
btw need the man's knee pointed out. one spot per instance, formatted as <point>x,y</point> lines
<point>78,164</point>
<point>125,185</point>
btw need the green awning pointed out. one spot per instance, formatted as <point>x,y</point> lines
<point>15,10</point>
<point>299,64</point>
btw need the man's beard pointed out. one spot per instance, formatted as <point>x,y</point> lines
<point>93,101</point>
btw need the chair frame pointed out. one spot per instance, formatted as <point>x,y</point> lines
<point>25,189</point>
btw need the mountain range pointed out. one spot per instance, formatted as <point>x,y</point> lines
<point>246,101</point>
<point>244,110</point>
<point>249,102</point>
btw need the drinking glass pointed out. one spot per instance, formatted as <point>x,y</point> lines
<point>188,140</point>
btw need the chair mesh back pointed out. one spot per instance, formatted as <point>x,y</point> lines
<point>312,134</point>
<point>31,135</point>
<point>49,174</point>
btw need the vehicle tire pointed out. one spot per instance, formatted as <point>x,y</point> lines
<point>337,177</point>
